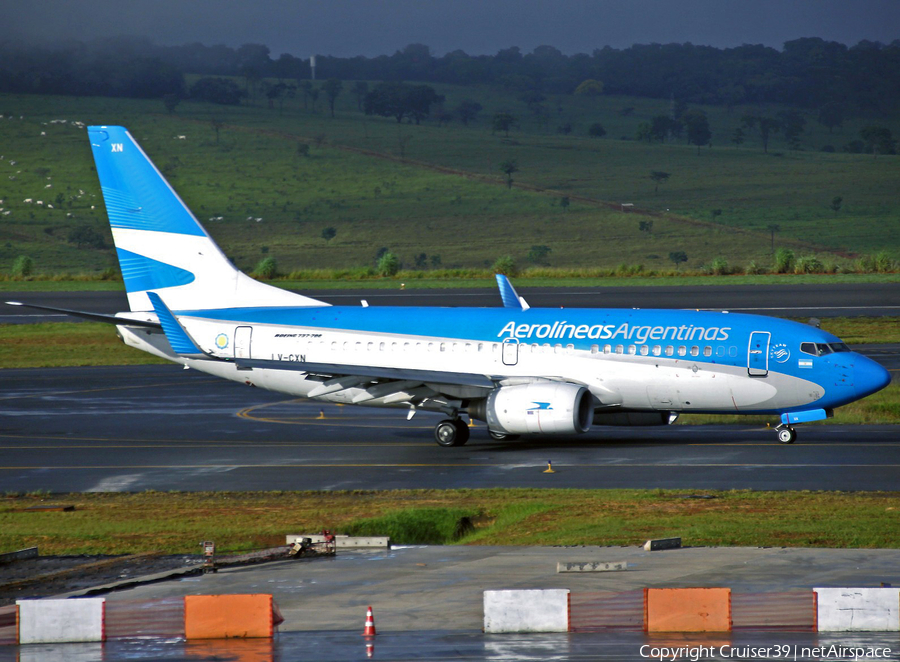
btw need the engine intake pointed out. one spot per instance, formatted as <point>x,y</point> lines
<point>542,408</point>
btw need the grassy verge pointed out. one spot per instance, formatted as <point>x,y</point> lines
<point>174,522</point>
<point>882,408</point>
<point>435,279</point>
<point>63,344</point>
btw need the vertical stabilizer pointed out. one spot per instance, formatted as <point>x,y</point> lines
<point>160,244</point>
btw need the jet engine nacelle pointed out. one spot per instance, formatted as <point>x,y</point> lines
<point>543,408</point>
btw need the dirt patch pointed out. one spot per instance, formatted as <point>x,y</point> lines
<point>52,575</point>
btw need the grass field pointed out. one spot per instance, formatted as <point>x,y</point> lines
<point>446,197</point>
<point>115,523</point>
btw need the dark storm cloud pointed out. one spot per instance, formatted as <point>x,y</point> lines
<point>376,27</point>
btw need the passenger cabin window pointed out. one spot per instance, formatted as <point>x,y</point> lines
<point>619,349</point>
<point>682,350</point>
<point>657,350</point>
<point>707,351</point>
<point>669,350</point>
<point>645,350</point>
<point>695,351</point>
<point>595,349</point>
<point>607,349</point>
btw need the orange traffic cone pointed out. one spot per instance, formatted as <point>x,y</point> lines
<point>369,630</point>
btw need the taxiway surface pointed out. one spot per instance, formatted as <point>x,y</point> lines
<point>788,300</point>
<point>164,428</point>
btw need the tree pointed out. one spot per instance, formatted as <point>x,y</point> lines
<point>738,137</point>
<point>792,123</point>
<point>360,90</point>
<point>171,102</point>
<point>332,88</point>
<point>589,88</point>
<point>646,226</point>
<point>836,203</point>
<point>765,125</point>
<point>503,122</point>
<point>306,88</point>
<point>661,127</point>
<point>539,254</point>
<point>831,115</point>
<point>773,228</point>
<point>266,269</point>
<point>678,257</point>
<point>596,130</point>
<point>86,236</point>
<point>217,90</point>
<point>329,233</point>
<point>399,100</point>
<point>505,265</point>
<point>697,125</point>
<point>467,111</point>
<point>509,166</point>
<point>388,265</point>
<point>22,267</point>
<point>658,176</point>
<point>278,93</point>
<point>878,139</point>
<point>216,124</point>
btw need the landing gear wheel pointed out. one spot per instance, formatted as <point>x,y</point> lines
<point>787,435</point>
<point>502,436</point>
<point>451,432</point>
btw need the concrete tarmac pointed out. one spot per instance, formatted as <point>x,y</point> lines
<point>164,428</point>
<point>440,588</point>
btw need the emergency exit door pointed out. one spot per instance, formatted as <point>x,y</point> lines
<point>510,351</point>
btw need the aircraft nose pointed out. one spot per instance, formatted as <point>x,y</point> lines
<point>870,376</point>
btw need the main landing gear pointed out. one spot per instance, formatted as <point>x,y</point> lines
<point>451,432</point>
<point>786,434</point>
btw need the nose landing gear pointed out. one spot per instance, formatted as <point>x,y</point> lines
<point>786,434</point>
<point>451,432</point>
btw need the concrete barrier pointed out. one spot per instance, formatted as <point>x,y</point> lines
<point>858,609</point>
<point>59,621</point>
<point>226,616</point>
<point>537,610</point>
<point>688,609</point>
<point>591,566</point>
<point>662,543</point>
<point>357,542</point>
<point>20,555</point>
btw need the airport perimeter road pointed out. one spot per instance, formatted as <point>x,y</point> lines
<point>798,301</point>
<point>163,428</point>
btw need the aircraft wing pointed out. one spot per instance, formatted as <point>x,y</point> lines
<point>435,377</point>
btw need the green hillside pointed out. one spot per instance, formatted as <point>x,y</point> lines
<point>439,190</point>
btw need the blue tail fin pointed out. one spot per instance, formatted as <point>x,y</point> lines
<point>161,245</point>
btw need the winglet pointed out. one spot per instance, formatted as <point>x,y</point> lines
<point>508,293</point>
<point>176,335</point>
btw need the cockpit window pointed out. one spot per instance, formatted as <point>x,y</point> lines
<point>821,349</point>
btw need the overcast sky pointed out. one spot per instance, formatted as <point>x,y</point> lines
<point>381,27</point>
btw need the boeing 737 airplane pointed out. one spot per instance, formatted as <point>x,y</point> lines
<point>521,370</point>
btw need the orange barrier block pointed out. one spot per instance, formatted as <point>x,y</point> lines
<point>688,610</point>
<point>226,616</point>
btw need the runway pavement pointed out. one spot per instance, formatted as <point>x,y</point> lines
<point>788,300</point>
<point>164,428</point>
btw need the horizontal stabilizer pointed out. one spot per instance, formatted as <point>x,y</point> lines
<point>178,338</point>
<point>94,317</point>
